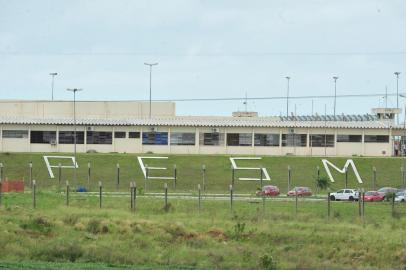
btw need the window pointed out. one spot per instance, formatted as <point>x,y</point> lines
<point>376,138</point>
<point>349,138</point>
<point>322,140</point>
<point>294,139</point>
<point>119,135</point>
<point>266,139</point>
<point>212,138</point>
<point>239,139</point>
<point>155,138</point>
<point>134,135</point>
<point>99,137</point>
<point>67,137</point>
<point>18,134</point>
<point>182,138</point>
<point>43,137</point>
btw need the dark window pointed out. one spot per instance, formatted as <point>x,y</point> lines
<point>376,138</point>
<point>67,137</point>
<point>239,139</point>
<point>155,138</point>
<point>266,139</point>
<point>321,140</point>
<point>119,135</point>
<point>134,135</point>
<point>99,137</point>
<point>43,137</point>
<point>18,134</point>
<point>182,138</point>
<point>349,138</point>
<point>212,138</point>
<point>294,139</point>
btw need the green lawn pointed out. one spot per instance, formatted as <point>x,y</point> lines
<point>82,236</point>
<point>218,175</point>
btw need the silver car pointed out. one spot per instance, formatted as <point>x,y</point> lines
<point>400,196</point>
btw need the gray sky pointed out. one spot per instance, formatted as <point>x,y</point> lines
<point>205,49</point>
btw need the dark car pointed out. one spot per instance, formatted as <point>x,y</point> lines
<point>269,191</point>
<point>387,190</point>
<point>300,191</point>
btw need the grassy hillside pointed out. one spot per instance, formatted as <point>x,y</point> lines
<point>82,236</point>
<point>189,171</point>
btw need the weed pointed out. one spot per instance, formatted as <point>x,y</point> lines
<point>267,262</point>
<point>95,226</point>
<point>39,224</point>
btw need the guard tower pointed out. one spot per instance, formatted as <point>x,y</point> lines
<point>386,114</point>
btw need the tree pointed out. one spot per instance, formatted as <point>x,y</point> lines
<point>322,183</point>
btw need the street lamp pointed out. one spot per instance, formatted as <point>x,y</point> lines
<point>53,74</point>
<point>150,81</point>
<point>335,95</point>
<point>74,90</point>
<point>397,73</point>
<point>287,97</point>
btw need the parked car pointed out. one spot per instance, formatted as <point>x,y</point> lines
<point>345,195</point>
<point>269,191</point>
<point>373,196</point>
<point>300,191</point>
<point>387,190</point>
<point>400,196</point>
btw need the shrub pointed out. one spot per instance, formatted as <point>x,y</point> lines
<point>39,224</point>
<point>95,226</point>
<point>267,262</point>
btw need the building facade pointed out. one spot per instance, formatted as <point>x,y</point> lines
<point>125,127</point>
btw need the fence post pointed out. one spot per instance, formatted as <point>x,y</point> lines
<point>118,176</point>
<point>1,183</point>
<point>289,177</point>
<point>1,171</point>
<point>34,199</point>
<point>346,177</point>
<point>360,203</point>
<point>59,174</point>
<point>30,173</point>
<point>204,177</point>
<point>363,204</point>
<point>175,175</point>
<point>88,175</point>
<point>296,202</point>
<point>131,196</point>
<point>166,197</point>
<point>402,175</point>
<point>232,175</point>
<point>199,196</point>
<point>100,194</point>
<point>146,177</point>
<point>328,205</point>
<point>231,197</point>
<point>261,177</point>
<point>318,178</point>
<point>134,195</point>
<point>67,193</point>
<point>393,204</point>
<point>374,178</point>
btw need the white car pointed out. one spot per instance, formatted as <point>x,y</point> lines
<point>400,196</point>
<point>345,195</point>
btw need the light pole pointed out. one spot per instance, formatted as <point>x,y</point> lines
<point>287,97</point>
<point>150,82</point>
<point>397,73</point>
<point>335,95</point>
<point>53,74</point>
<point>74,90</point>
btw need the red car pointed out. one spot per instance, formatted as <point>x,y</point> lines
<point>374,196</point>
<point>269,191</point>
<point>300,191</point>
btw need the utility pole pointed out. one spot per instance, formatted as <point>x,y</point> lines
<point>287,97</point>
<point>74,90</point>
<point>150,86</point>
<point>335,95</point>
<point>53,74</point>
<point>397,73</point>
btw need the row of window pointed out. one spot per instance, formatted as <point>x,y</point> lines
<point>178,138</point>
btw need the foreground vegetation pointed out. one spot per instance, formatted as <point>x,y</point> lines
<point>218,174</point>
<point>82,236</point>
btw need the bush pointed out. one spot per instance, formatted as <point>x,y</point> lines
<point>39,224</point>
<point>95,226</point>
<point>267,262</point>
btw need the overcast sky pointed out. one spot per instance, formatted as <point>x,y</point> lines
<point>205,49</point>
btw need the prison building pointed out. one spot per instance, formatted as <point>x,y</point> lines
<point>127,127</point>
